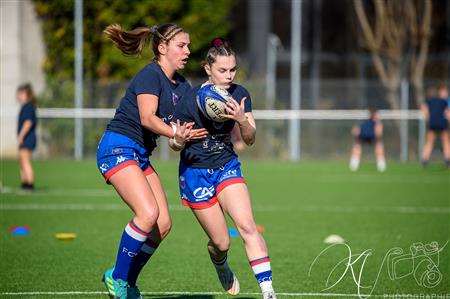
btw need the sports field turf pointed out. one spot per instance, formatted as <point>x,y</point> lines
<point>298,204</point>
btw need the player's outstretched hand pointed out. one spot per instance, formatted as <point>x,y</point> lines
<point>236,111</point>
<point>182,132</point>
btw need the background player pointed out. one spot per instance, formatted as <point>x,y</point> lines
<point>211,181</point>
<point>437,115</point>
<point>123,154</point>
<point>369,131</point>
<point>26,134</point>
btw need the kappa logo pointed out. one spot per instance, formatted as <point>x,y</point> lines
<point>202,192</point>
<point>120,159</point>
<point>104,167</point>
<point>136,158</point>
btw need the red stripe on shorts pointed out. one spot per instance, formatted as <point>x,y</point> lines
<point>200,205</point>
<point>115,169</point>
<point>229,182</point>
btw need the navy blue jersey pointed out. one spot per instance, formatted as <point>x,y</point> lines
<point>28,112</point>
<point>216,149</point>
<point>367,129</point>
<point>436,109</point>
<point>150,80</point>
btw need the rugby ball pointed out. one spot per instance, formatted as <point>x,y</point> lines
<point>211,100</point>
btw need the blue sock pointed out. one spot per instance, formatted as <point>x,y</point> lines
<point>138,263</point>
<point>263,272</point>
<point>132,239</point>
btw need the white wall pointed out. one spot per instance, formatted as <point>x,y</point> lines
<point>22,53</point>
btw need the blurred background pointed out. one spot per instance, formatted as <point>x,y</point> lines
<point>313,68</point>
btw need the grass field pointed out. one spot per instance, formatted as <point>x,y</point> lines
<point>298,204</point>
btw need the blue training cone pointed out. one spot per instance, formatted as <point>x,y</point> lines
<point>20,230</point>
<point>233,232</point>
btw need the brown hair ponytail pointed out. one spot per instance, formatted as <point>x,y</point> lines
<point>133,42</point>
<point>129,42</point>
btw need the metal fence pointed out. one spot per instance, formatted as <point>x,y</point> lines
<point>324,134</point>
<point>324,125</point>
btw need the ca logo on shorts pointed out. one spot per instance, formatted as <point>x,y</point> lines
<point>202,192</point>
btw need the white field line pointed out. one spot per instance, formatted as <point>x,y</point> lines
<point>92,293</point>
<point>59,192</point>
<point>119,206</point>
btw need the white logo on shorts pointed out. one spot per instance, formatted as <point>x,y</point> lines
<point>202,192</point>
<point>120,159</point>
<point>230,173</point>
<point>103,167</point>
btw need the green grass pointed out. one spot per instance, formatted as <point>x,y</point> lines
<point>298,204</point>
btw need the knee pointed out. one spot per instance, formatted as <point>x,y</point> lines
<point>147,218</point>
<point>220,244</point>
<point>248,229</point>
<point>165,227</point>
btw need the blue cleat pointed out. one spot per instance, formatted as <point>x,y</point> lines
<point>117,289</point>
<point>134,293</point>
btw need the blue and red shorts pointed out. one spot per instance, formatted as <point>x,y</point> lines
<point>199,187</point>
<point>116,151</point>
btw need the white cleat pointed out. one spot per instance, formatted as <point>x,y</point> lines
<point>229,281</point>
<point>269,295</point>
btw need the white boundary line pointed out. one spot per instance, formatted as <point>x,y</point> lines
<point>172,207</point>
<point>92,293</point>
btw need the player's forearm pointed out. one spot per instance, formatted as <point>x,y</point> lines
<point>157,126</point>
<point>248,132</point>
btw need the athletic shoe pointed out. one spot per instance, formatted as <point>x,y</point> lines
<point>25,187</point>
<point>381,165</point>
<point>117,289</point>
<point>134,293</point>
<point>229,281</point>
<point>354,164</point>
<point>269,295</point>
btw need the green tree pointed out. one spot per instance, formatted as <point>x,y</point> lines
<point>106,69</point>
<point>203,19</point>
